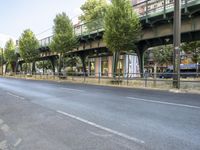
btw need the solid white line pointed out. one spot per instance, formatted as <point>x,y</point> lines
<point>15,95</point>
<point>160,102</point>
<point>1,121</point>
<point>72,89</point>
<point>102,128</point>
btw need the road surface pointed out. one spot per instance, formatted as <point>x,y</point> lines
<point>44,115</point>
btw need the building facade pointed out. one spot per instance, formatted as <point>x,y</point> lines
<point>128,65</point>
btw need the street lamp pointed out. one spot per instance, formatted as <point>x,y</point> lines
<point>177,40</point>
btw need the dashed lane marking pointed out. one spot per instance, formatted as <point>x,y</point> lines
<point>70,89</point>
<point>102,127</point>
<point>18,142</point>
<point>14,95</point>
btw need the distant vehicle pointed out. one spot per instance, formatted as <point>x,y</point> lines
<point>188,70</point>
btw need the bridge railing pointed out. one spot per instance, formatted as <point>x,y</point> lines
<point>150,7</point>
<point>89,28</point>
<point>144,9</point>
<point>45,41</point>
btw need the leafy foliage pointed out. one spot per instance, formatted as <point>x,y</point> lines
<point>10,55</point>
<point>122,28</point>
<point>28,46</point>
<point>64,39</point>
<point>2,58</point>
<point>163,55</point>
<point>71,61</point>
<point>92,10</point>
<point>46,65</point>
<point>193,48</point>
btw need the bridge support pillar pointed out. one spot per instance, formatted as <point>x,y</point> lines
<point>53,64</point>
<point>33,67</point>
<point>140,52</point>
<point>83,57</point>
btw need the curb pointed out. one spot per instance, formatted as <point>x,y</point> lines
<point>181,91</point>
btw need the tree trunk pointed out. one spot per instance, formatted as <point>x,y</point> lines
<point>33,67</point>
<point>26,68</point>
<point>16,66</point>
<point>6,69</point>
<point>43,67</point>
<point>13,66</point>
<point>53,65</point>
<point>83,62</point>
<point>115,63</point>
<point>59,64</point>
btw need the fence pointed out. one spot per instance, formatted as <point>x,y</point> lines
<point>148,80</point>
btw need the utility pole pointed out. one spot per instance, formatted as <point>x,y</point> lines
<point>177,41</point>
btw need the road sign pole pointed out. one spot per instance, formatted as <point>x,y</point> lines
<point>177,41</point>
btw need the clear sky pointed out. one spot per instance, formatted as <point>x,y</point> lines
<point>37,15</point>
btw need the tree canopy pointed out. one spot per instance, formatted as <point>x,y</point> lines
<point>28,46</point>
<point>2,58</point>
<point>64,39</point>
<point>163,55</point>
<point>9,54</point>
<point>122,28</point>
<point>193,48</point>
<point>93,13</point>
<point>93,9</point>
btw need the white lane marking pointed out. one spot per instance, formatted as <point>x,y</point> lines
<point>160,102</point>
<point>72,89</point>
<point>103,128</point>
<point>100,135</point>
<point>15,95</point>
<point>18,142</point>
<point>3,145</point>
<point>5,128</point>
<point>1,121</point>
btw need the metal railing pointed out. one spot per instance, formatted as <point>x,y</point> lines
<point>149,7</point>
<point>144,9</point>
<point>148,80</point>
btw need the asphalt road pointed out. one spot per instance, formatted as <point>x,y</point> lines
<point>42,115</point>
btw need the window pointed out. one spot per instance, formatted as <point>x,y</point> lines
<point>104,66</point>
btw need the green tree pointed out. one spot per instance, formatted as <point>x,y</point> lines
<point>163,55</point>
<point>45,65</point>
<point>93,12</point>
<point>10,55</point>
<point>192,48</point>
<point>2,60</point>
<point>64,39</point>
<point>29,48</point>
<point>122,28</point>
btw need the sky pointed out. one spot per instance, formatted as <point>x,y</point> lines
<point>37,15</point>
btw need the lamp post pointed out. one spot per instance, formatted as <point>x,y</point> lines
<point>176,42</point>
